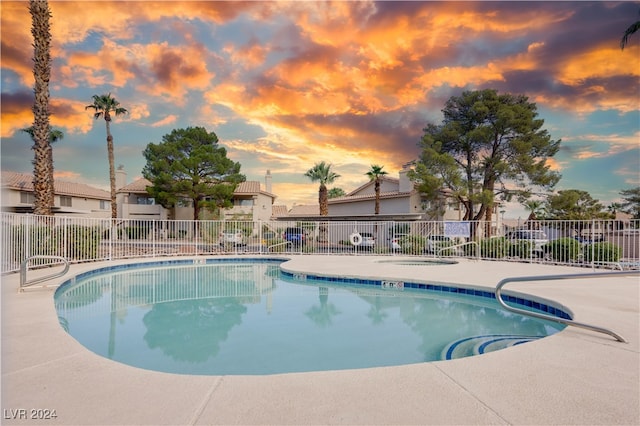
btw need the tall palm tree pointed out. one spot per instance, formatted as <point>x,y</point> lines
<point>54,136</point>
<point>104,106</point>
<point>633,28</point>
<point>42,167</point>
<point>375,175</point>
<point>321,172</point>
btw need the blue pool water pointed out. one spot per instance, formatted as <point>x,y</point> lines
<point>247,317</point>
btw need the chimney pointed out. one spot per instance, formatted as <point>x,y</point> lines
<point>405,183</point>
<point>267,181</point>
<point>121,177</point>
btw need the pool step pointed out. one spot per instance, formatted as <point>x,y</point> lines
<point>477,345</point>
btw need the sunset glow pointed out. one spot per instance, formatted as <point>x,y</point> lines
<point>287,84</point>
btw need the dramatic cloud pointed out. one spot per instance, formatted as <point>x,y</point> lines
<point>288,84</point>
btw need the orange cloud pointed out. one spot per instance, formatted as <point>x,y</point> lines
<point>66,175</point>
<point>249,56</point>
<point>169,119</point>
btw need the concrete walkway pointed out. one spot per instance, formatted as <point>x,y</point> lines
<point>573,377</point>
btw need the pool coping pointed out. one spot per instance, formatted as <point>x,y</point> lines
<point>572,377</point>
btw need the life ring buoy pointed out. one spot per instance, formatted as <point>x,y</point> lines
<point>356,239</point>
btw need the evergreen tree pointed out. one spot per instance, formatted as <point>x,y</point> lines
<point>488,146</point>
<point>189,164</point>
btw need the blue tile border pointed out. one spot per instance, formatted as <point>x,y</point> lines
<point>175,262</point>
<point>537,306</point>
<point>531,304</point>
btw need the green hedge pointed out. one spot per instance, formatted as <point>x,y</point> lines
<point>412,244</point>
<point>564,249</point>
<point>602,252</point>
<point>83,242</point>
<point>492,248</point>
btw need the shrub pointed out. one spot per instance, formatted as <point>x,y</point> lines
<point>32,241</point>
<point>564,249</point>
<point>412,244</point>
<point>82,242</point>
<point>493,248</point>
<point>602,252</point>
<point>520,248</point>
<point>138,232</point>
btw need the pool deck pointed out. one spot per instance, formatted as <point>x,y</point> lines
<point>573,377</point>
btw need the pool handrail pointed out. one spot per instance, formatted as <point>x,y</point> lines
<point>505,281</point>
<point>455,246</point>
<point>23,270</point>
<point>286,243</point>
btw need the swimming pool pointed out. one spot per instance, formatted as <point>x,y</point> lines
<point>246,316</point>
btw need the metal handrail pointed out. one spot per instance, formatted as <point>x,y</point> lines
<point>468,243</point>
<point>23,270</point>
<point>279,244</point>
<point>554,318</point>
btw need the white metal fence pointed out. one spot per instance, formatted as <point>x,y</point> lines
<point>606,243</point>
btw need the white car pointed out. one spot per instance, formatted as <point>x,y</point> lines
<point>368,240</point>
<point>235,238</point>
<point>538,238</point>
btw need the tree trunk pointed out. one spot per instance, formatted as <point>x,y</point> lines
<point>196,208</point>
<point>43,159</point>
<point>323,200</point>
<point>112,169</point>
<point>377,188</point>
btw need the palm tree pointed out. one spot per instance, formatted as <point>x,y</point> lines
<point>42,167</point>
<point>336,192</point>
<point>631,30</point>
<point>375,174</point>
<point>535,209</point>
<point>104,106</point>
<point>54,136</point>
<point>322,173</point>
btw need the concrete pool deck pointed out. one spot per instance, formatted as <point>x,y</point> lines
<point>573,377</point>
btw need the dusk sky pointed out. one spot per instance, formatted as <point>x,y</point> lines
<point>287,84</point>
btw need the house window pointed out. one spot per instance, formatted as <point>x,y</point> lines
<point>27,198</point>
<point>65,201</point>
<point>146,201</point>
<point>243,202</point>
<point>104,205</point>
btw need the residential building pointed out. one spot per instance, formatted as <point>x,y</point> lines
<point>398,197</point>
<point>70,198</point>
<point>250,202</point>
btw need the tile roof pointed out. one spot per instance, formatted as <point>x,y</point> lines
<point>139,185</point>
<point>305,210</point>
<point>383,195</point>
<point>24,182</point>
<point>394,181</point>
<point>248,187</point>
<point>279,211</point>
<point>243,188</point>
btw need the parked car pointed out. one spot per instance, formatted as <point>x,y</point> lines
<point>367,240</point>
<point>538,239</point>
<point>436,242</point>
<point>296,235</point>
<point>587,240</point>
<point>235,238</point>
